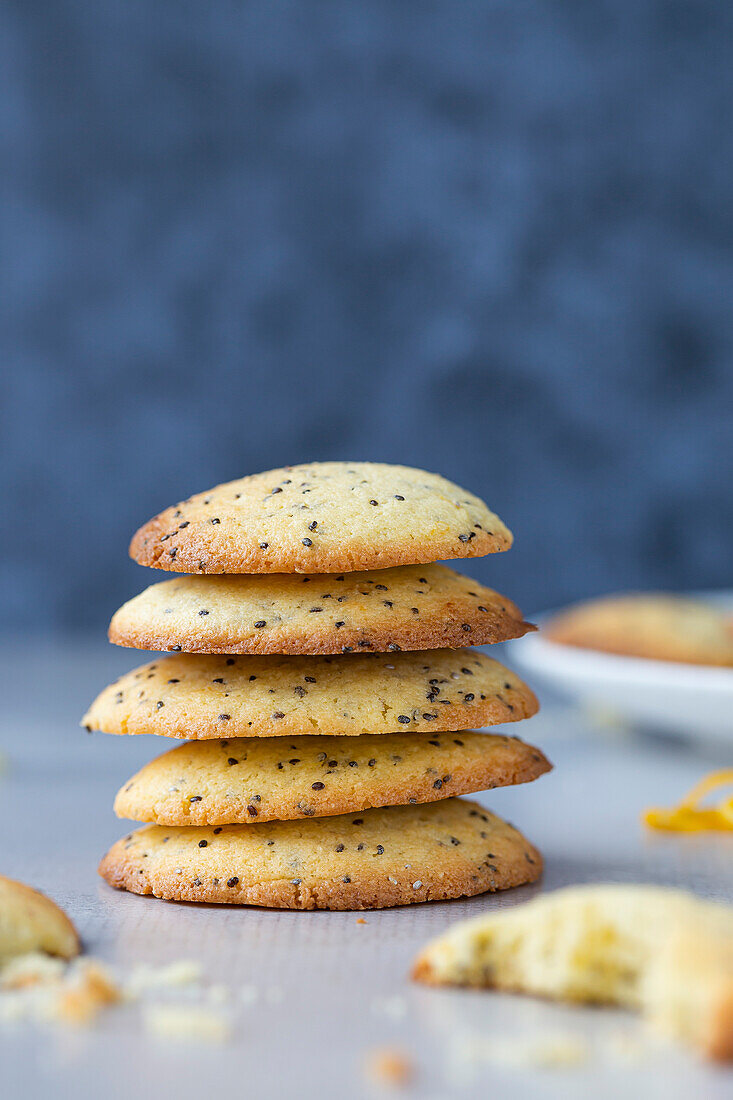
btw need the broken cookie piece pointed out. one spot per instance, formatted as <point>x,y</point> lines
<point>661,952</point>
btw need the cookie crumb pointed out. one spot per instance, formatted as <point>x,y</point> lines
<point>541,1052</point>
<point>360,920</point>
<point>33,969</point>
<point>389,1066</point>
<point>49,990</point>
<point>93,989</point>
<point>186,1022</point>
<point>180,973</point>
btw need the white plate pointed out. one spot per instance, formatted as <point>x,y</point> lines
<point>687,700</point>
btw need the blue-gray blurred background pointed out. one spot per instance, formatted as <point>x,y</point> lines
<point>492,239</point>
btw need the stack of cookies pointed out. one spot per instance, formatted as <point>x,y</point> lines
<point>325,700</point>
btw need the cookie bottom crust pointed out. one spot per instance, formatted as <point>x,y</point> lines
<point>371,860</point>
<point>334,894</point>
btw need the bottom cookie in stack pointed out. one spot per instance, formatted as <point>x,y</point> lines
<point>325,822</point>
<point>370,860</point>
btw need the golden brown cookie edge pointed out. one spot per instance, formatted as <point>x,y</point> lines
<point>529,763</point>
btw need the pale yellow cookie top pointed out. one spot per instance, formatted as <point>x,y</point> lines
<point>321,517</point>
<point>29,921</point>
<point>369,859</point>
<point>407,608</point>
<point>199,696</point>
<point>652,625</point>
<point>247,780</point>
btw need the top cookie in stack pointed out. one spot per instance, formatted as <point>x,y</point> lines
<point>321,517</point>
<point>244,821</point>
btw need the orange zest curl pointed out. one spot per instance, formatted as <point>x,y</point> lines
<point>689,816</point>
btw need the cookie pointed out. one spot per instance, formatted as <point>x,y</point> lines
<point>29,921</point>
<point>370,860</point>
<point>244,780</point>
<point>198,696</point>
<point>321,517</point>
<point>657,626</point>
<point>413,607</point>
<point>664,952</point>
